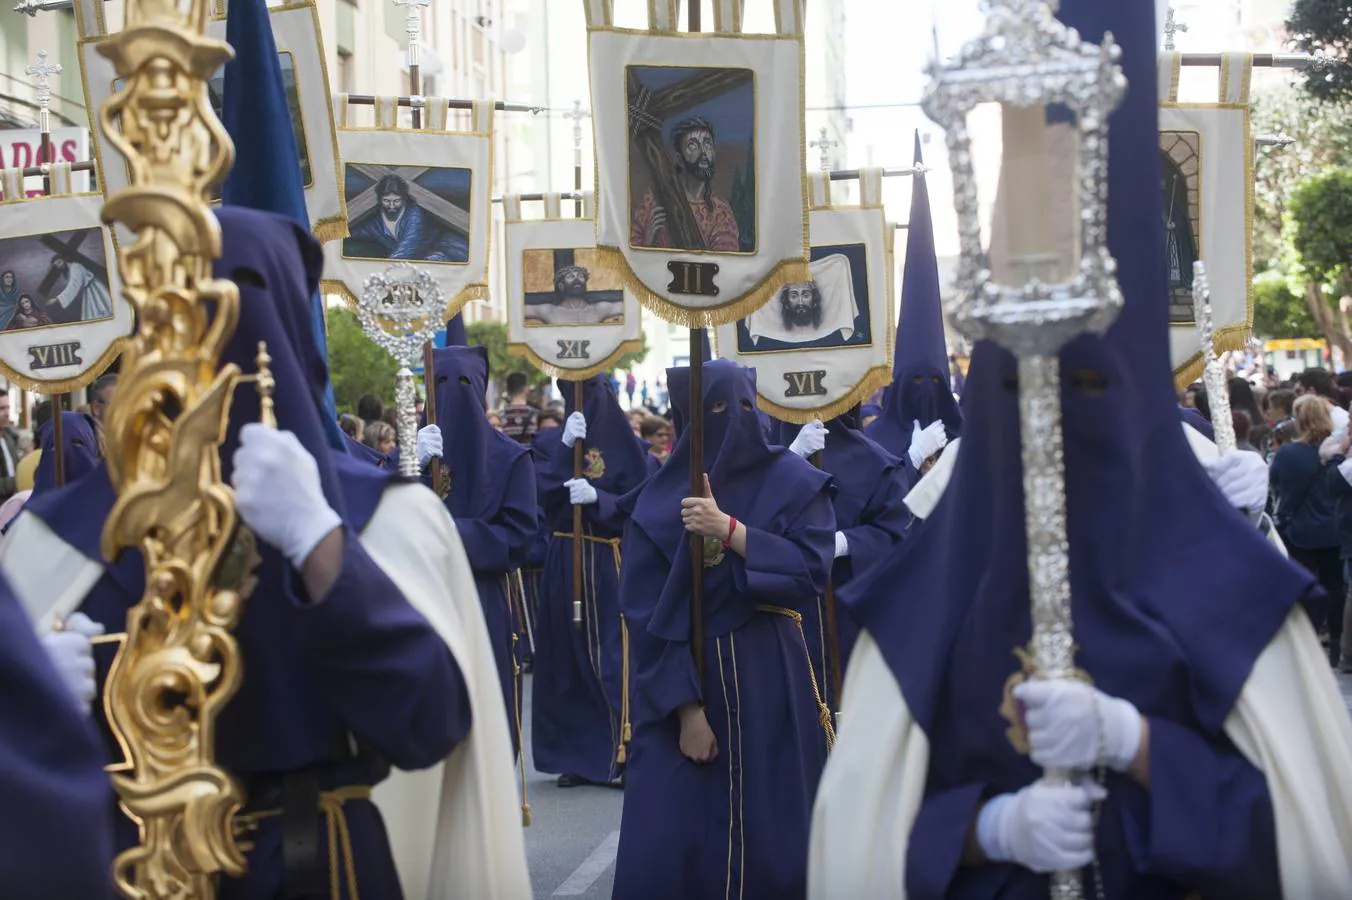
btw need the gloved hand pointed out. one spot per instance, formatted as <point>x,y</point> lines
<point>842,545</point>
<point>1065,719</point>
<point>1242,477</point>
<point>811,439</point>
<point>925,442</point>
<point>574,428</point>
<point>429,444</point>
<point>72,655</point>
<point>278,493</point>
<point>1042,828</point>
<point>580,491</point>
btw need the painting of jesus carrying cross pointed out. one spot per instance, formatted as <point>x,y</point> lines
<point>692,170</point>
<point>57,278</point>
<point>414,213</point>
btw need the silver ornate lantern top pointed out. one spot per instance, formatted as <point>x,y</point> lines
<point>401,309</point>
<point>1027,60</point>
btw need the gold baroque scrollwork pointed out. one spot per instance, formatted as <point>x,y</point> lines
<point>180,663</point>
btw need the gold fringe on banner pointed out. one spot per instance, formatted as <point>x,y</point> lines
<point>875,378</point>
<point>1227,340</point>
<point>468,294</point>
<point>789,271</point>
<point>331,229</point>
<point>525,352</point>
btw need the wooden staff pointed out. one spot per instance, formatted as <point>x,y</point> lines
<point>430,406</point>
<point>696,426</point>
<point>577,515</point>
<point>832,625</point>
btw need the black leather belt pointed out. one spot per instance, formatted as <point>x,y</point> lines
<point>304,874</point>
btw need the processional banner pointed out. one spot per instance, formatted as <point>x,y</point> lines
<point>822,345</point>
<point>566,313</point>
<point>1206,154</point>
<point>62,313</point>
<point>415,196</point>
<point>699,152</point>
<point>300,51</point>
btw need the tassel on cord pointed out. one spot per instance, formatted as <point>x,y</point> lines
<point>626,734</point>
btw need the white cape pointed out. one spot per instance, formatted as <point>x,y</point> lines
<point>1289,722</point>
<point>455,829</point>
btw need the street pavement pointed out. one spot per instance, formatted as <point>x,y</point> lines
<point>571,844</point>
<point>574,833</point>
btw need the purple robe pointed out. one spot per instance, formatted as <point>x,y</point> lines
<point>870,485</point>
<point>1174,595</point>
<point>577,708</point>
<point>337,688</point>
<point>739,825</point>
<point>56,835</point>
<point>492,500</point>
<point>80,451</point>
<point>921,388</point>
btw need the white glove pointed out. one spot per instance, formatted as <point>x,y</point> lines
<point>580,491</point>
<point>925,442</point>
<point>842,545</point>
<point>429,444</point>
<point>1044,828</point>
<point>278,494</point>
<point>73,656</point>
<point>1065,720</point>
<point>811,439</point>
<point>1242,477</point>
<point>574,428</point>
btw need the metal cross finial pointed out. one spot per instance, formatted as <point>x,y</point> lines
<point>825,144</point>
<point>413,25</point>
<point>577,115</point>
<point>1171,28</point>
<point>42,72</point>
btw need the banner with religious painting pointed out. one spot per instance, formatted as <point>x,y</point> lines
<point>823,345</point>
<point>699,150</point>
<point>566,313</point>
<point>62,313</point>
<point>1206,156</point>
<point>415,196</point>
<point>300,50</point>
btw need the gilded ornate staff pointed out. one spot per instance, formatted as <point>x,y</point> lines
<point>1054,283</point>
<point>180,663</point>
<point>1213,373</point>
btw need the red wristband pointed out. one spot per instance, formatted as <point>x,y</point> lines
<point>732,529</point>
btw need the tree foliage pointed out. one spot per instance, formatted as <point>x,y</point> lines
<point>1321,216</point>
<point>1323,140</point>
<point>1279,307</point>
<point>356,364</point>
<point>1324,28</point>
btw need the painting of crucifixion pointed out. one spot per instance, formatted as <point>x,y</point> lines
<point>58,278</point>
<point>692,158</point>
<point>414,213</point>
<point>566,287</point>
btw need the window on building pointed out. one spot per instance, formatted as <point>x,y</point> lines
<point>347,80</point>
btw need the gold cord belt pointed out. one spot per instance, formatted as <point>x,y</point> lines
<point>613,542</point>
<point>823,711</point>
<point>340,838</point>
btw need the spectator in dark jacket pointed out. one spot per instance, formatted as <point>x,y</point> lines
<point>1305,512</point>
<point>1339,474</point>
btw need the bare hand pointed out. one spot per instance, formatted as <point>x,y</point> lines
<point>656,225</point>
<point>702,516</point>
<point>698,743</point>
